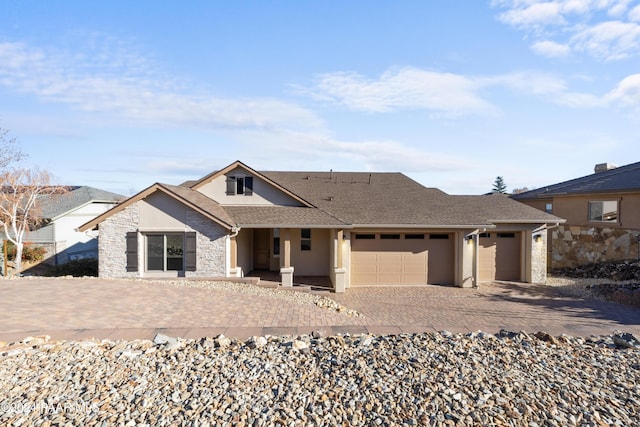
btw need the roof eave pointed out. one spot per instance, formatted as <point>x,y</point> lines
<point>529,221</point>
<point>141,195</point>
<point>281,226</point>
<point>422,226</point>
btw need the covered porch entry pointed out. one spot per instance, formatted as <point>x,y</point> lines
<point>286,253</point>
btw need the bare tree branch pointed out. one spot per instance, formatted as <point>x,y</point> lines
<point>20,211</point>
<point>10,152</point>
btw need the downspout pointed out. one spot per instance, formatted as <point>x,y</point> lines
<point>476,256</point>
<point>227,249</point>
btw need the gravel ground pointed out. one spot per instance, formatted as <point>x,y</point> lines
<point>599,289</point>
<point>425,379</point>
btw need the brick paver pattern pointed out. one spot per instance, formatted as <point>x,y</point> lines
<point>83,308</point>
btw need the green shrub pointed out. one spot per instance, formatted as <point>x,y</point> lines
<point>76,268</point>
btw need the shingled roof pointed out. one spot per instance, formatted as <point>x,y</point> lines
<point>621,179</point>
<point>55,205</point>
<point>352,199</point>
<point>393,199</point>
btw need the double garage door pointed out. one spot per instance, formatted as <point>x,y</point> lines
<point>499,257</point>
<point>402,259</point>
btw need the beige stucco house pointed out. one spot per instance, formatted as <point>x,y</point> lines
<point>359,229</point>
<point>602,213</point>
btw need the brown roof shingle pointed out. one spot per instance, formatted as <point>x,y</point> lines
<point>393,199</point>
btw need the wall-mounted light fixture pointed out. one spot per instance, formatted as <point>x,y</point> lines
<point>537,237</point>
<point>469,238</point>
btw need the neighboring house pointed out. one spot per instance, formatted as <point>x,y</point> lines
<point>356,228</point>
<point>63,214</point>
<point>602,213</point>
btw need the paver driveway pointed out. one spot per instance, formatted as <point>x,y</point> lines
<point>81,308</point>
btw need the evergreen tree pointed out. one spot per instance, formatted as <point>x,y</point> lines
<point>499,186</point>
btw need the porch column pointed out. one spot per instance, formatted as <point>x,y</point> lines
<point>286,270</point>
<point>231,267</point>
<point>339,271</point>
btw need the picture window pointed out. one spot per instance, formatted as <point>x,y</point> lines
<point>165,252</point>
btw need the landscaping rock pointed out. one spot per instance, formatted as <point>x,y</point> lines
<point>436,379</point>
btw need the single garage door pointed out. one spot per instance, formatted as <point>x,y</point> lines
<point>401,259</point>
<point>499,256</point>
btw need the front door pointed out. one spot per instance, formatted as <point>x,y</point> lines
<point>261,249</point>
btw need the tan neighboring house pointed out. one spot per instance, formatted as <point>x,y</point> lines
<point>358,229</point>
<point>602,213</point>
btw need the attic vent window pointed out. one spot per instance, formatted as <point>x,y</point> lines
<point>239,185</point>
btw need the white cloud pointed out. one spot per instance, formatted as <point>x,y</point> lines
<point>563,26</point>
<point>396,91</point>
<point>609,40</point>
<point>531,83</point>
<point>369,154</point>
<point>406,88</point>
<point>551,49</point>
<point>627,92</point>
<point>580,100</point>
<point>533,14</point>
<point>124,84</point>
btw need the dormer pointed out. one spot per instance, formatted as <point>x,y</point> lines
<point>238,184</point>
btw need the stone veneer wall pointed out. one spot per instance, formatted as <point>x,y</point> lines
<point>210,245</point>
<point>539,258</point>
<point>574,246</point>
<point>112,243</point>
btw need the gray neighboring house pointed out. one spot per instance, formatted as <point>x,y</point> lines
<point>357,228</point>
<point>64,213</point>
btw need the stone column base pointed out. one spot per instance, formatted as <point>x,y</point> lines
<point>286,274</point>
<point>339,283</point>
<point>236,272</point>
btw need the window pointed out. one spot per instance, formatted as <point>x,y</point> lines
<point>438,236</point>
<point>414,236</point>
<point>165,252</point>
<point>603,211</point>
<point>485,235</point>
<point>507,235</point>
<point>239,185</point>
<point>365,236</point>
<point>548,208</point>
<point>390,236</point>
<point>305,239</point>
<point>276,242</point>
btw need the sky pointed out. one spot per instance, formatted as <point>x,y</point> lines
<point>119,95</point>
